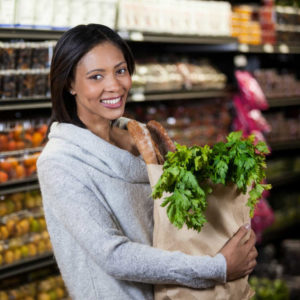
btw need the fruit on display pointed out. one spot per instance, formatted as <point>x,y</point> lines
<point>50,288</point>
<point>22,135</point>
<point>12,203</point>
<point>266,289</point>
<point>31,245</point>
<point>18,167</point>
<point>23,230</point>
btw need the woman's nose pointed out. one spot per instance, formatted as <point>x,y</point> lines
<point>112,84</point>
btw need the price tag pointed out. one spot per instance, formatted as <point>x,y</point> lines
<point>283,48</point>
<point>244,47</point>
<point>268,48</point>
<point>137,97</point>
<point>137,36</point>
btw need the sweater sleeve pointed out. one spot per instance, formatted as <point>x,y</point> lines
<point>85,217</point>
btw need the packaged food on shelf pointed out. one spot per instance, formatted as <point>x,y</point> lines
<point>9,83</point>
<point>285,125</point>
<point>24,54</point>
<point>276,85</point>
<point>245,24</point>
<point>15,250</point>
<point>22,134</point>
<point>18,167</point>
<point>189,123</point>
<point>17,202</point>
<point>51,287</point>
<point>177,76</point>
<point>7,56</point>
<point>157,77</point>
<point>202,18</point>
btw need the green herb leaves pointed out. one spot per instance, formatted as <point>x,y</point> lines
<point>189,170</point>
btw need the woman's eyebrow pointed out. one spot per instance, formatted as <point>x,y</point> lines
<point>103,70</point>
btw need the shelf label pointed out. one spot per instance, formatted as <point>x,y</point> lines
<point>137,36</point>
<point>283,48</point>
<point>137,97</point>
<point>268,48</point>
<point>244,47</point>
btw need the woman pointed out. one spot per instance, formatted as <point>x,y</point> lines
<point>95,187</point>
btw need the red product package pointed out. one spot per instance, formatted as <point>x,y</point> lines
<point>251,90</point>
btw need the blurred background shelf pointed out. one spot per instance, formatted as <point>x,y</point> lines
<point>284,101</point>
<point>27,265</point>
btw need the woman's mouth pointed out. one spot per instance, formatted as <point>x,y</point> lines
<point>112,103</point>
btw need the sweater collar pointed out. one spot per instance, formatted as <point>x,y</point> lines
<point>88,147</point>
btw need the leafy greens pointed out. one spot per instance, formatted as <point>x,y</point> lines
<point>188,171</point>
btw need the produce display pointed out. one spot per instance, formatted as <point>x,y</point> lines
<point>267,289</point>
<point>22,134</point>
<point>17,167</point>
<point>49,288</point>
<point>16,202</point>
<point>23,231</point>
<point>177,76</point>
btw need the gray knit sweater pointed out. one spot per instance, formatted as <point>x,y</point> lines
<point>98,210</point>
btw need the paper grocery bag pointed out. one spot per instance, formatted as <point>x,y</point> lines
<point>225,213</point>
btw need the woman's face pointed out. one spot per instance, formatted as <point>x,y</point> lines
<point>101,84</point>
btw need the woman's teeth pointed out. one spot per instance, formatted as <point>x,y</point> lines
<point>112,101</point>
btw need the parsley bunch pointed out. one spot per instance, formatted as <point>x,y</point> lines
<point>188,171</point>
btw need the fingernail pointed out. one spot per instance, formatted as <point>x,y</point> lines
<point>247,226</point>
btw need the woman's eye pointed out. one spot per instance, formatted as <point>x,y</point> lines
<point>96,77</point>
<point>122,71</point>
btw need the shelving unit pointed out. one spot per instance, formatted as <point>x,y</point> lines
<point>188,44</point>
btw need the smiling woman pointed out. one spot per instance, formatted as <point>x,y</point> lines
<point>95,185</point>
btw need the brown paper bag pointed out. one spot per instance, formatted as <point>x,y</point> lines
<point>225,213</point>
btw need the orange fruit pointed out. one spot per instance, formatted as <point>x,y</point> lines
<point>3,177</point>
<point>37,139</point>
<point>17,132</point>
<point>11,146</point>
<point>13,161</point>
<point>20,145</point>
<point>20,172</point>
<point>5,165</point>
<point>3,142</point>
<point>28,139</point>
<point>31,170</point>
<point>30,160</point>
<point>43,129</point>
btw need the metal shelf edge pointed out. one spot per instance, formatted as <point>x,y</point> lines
<point>27,265</point>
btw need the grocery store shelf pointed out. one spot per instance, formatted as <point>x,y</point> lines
<point>177,95</point>
<point>20,152</point>
<point>284,101</point>
<point>137,36</point>
<point>284,145</point>
<point>20,188</point>
<point>27,265</point>
<point>268,48</point>
<point>284,179</point>
<point>135,96</point>
<point>25,103</point>
<point>15,186</point>
<point>30,34</point>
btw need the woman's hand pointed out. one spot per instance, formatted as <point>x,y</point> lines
<point>240,255</point>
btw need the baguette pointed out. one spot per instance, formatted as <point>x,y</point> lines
<point>143,141</point>
<point>161,137</point>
